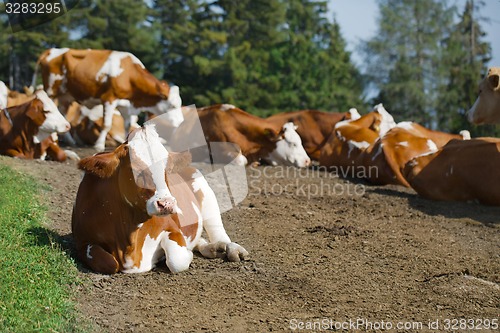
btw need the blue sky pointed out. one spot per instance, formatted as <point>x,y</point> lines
<point>358,19</point>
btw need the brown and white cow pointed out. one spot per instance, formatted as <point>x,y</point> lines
<point>486,109</point>
<point>314,126</point>
<point>139,204</point>
<point>259,139</point>
<point>117,80</point>
<point>351,138</point>
<point>462,170</point>
<point>26,129</point>
<point>390,153</point>
<point>87,124</point>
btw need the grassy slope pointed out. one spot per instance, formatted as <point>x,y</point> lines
<point>35,274</point>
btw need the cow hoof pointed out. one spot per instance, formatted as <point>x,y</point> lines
<point>213,250</point>
<point>236,252</point>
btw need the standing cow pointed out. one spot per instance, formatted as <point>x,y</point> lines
<point>117,80</point>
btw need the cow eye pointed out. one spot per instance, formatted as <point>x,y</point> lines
<point>46,111</point>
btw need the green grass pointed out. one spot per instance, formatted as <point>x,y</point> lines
<point>35,273</point>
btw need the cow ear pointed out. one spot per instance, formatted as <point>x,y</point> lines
<point>103,165</point>
<point>34,111</point>
<point>493,79</point>
<point>272,135</point>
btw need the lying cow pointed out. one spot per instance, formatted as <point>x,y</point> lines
<point>259,139</point>
<point>124,225</point>
<point>87,124</point>
<point>351,138</point>
<point>26,129</point>
<point>456,172</point>
<point>390,153</point>
<point>117,80</point>
<point>486,109</point>
<point>314,127</point>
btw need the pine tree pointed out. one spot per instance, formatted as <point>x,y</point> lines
<point>403,59</point>
<point>465,57</point>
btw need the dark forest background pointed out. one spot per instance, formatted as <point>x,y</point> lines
<point>269,56</point>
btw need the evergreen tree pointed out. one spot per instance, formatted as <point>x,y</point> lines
<point>403,59</point>
<point>466,56</point>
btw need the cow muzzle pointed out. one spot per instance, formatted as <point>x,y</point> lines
<point>162,206</point>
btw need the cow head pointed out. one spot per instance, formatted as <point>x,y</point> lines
<point>46,115</point>
<point>140,165</point>
<point>486,109</point>
<point>289,149</point>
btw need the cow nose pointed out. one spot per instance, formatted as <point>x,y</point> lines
<point>67,127</point>
<point>166,206</point>
<point>308,162</point>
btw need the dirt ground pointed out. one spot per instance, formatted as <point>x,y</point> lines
<point>323,251</point>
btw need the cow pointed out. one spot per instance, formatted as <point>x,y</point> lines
<point>86,125</point>
<point>314,126</point>
<point>351,138</point>
<point>139,204</point>
<point>24,128</point>
<point>390,153</point>
<point>486,109</point>
<point>454,172</point>
<point>259,139</point>
<point>117,80</point>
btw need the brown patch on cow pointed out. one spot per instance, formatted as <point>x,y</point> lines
<point>178,161</point>
<point>35,112</point>
<point>104,165</point>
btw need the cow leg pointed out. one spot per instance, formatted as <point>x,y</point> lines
<point>99,260</point>
<point>109,108</point>
<point>177,257</point>
<point>220,243</point>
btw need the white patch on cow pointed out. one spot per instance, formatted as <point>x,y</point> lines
<point>54,120</point>
<point>112,65</point>
<point>355,144</point>
<point>178,258</point>
<point>151,253</point>
<point>4,93</point>
<point>43,156</point>
<point>289,150</point>
<point>387,121</point>
<point>53,78</point>
<point>89,248</point>
<point>94,114</point>
<point>226,107</point>
<point>407,125</point>
<point>146,146</point>
<point>403,143</point>
<point>54,53</point>
<point>432,146</point>
<point>354,114</point>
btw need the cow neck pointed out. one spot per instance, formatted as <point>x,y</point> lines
<point>24,128</point>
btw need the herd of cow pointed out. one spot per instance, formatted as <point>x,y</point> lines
<point>143,202</point>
